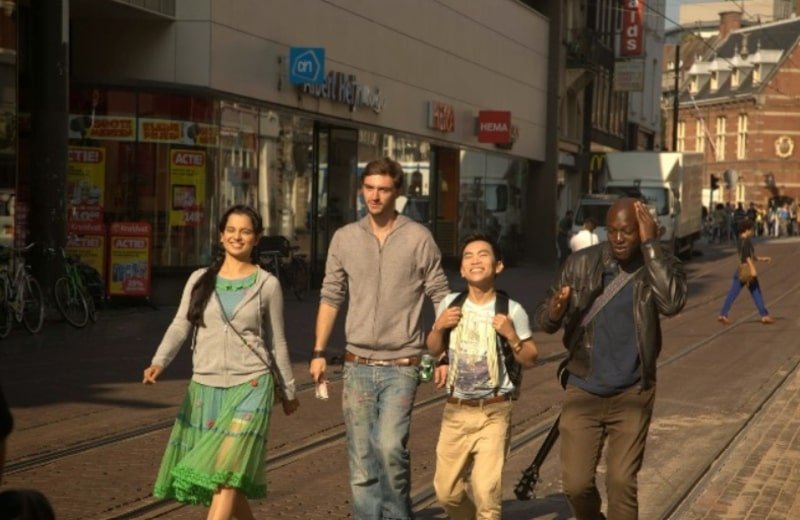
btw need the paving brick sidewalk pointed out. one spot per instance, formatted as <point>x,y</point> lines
<point>759,476</point>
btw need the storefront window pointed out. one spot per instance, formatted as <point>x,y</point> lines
<point>143,157</point>
<point>490,198</point>
<point>176,159</point>
<point>8,123</point>
<point>415,158</point>
<point>284,176</point>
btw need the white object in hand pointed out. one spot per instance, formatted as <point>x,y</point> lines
<point>322,390</point>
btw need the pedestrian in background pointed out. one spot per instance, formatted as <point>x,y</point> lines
<point>383,265</point>
<point>608,299</point>
<point>720,223</point>
<point>483,378</point>
<point>233,313</point>
<point>585,237</point>
<point>747,255</point>
<point>564,229</point>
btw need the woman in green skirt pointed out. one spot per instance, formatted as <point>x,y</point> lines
<point>233,313</point>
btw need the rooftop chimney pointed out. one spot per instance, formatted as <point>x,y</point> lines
<point>729,21</point>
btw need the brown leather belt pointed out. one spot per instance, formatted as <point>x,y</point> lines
<point>479,402</point>
<point>397,362</point>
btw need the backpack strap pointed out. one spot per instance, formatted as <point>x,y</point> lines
<point>458,301</point>
<point>504,352</point>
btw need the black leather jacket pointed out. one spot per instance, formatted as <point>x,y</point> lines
<point>659,287</point>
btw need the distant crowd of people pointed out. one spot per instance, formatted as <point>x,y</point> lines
<point>777,220</point>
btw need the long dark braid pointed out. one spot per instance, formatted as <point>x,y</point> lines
<point>206,284</point>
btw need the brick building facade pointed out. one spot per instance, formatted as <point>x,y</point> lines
<point>740,106</point>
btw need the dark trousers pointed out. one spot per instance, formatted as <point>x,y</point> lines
<point>587,420</point>
<point>563,249</point>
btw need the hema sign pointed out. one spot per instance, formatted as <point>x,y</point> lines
<point>306,65</point>
<point>494,126</point>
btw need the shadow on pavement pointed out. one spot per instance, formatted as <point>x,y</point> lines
<point>551,507</point>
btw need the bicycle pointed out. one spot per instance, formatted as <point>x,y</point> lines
<point>279,257</point>
<point>72,296</point>
<point>20,294</point>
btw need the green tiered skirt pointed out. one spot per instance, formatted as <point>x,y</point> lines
<point>219,439</point>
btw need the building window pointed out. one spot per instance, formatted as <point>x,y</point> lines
<point>735,78</point>
<point>699,136</point>
<point>757,74</point>
<point>681,144</point>
<point>720,138</point>
<point>741,137</point>
<point>694,85</point>
<point>714,81</point>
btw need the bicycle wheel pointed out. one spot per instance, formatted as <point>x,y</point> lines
<point>6,319</point>
<point>90,306</point>
<point>299,278</point>
<point>70,303</point>
<point>33,305</point>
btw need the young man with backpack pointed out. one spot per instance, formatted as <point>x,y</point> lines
<point>486,339</point>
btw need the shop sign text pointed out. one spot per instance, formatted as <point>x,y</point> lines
<point>494,126</point>
<point>441,116</point>
<point>632,28</point>
<point>343,88</point>
<point>102,127</point>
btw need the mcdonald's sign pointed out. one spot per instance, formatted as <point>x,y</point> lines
<point>596,162</point>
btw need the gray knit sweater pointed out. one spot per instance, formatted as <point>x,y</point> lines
<point>220,357</point>
<point>385,286</point>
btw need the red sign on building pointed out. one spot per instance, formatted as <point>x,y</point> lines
<point>632,28</point>
<point>494,126</point>
<point>441,116</point>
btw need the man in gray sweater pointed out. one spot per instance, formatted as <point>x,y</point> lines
<point>383,265</point>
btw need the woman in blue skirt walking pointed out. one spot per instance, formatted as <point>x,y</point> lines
<point>233,313</point>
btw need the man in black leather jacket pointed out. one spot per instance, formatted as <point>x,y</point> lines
<point>610,371</point>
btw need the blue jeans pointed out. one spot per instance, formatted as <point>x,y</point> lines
<point>755,292</point>
<point>377,403</point>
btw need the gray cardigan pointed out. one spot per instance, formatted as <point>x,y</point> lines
<point>220,358</point>
<point>385,287</point>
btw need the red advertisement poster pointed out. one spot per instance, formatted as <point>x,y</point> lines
<point>130,261</point>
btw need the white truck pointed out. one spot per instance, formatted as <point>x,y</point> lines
<point>672,185</point>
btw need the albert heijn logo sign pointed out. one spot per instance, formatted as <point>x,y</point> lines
<point>306,65</point>
<point>494,126</point>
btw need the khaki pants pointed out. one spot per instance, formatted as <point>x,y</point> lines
<point>478,436</point>
<point>586,421</point>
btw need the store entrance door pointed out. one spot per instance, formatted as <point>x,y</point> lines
<point>335,188</point>
<point>447,210</point>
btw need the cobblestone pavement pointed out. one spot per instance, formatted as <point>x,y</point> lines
<point>759,476</point>
<point>69,386</point>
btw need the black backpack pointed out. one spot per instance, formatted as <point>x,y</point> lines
<point>513,369</point>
